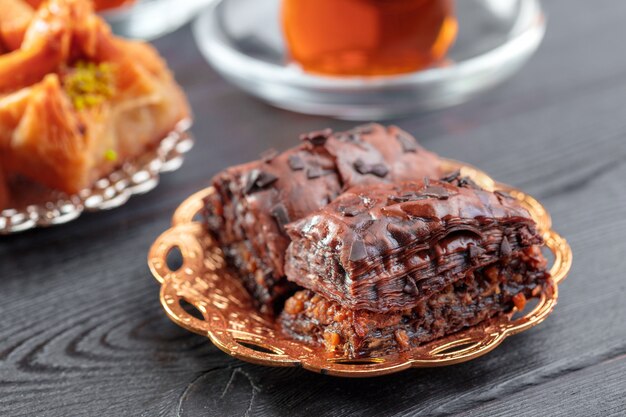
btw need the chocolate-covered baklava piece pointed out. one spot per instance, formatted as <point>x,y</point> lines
<point>390,246</point>
<point>394,265</point>
<point>253,202</point>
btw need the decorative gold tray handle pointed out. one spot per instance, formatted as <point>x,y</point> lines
<point>232,323</point>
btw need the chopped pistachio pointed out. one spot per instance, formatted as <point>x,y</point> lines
<point>110,155</point>
<point>89,84</point>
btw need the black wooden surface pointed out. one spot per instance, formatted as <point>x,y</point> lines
<point>82,332</point>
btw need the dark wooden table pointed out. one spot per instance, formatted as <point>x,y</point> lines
<point>82,332</point>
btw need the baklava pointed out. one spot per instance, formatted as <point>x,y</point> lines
<point>76,101</point>
<point>391,266</point>
<point>253,202</point>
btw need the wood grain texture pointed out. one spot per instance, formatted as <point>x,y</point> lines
<point>82,332</point>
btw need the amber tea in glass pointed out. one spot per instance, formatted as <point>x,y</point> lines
<point>368,37</point>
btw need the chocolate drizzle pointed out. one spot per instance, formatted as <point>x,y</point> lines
<point>399,234</point>
<point>365,129</point>
<point>435,191</point>
<point>280,214</point>
<point>505,248</point>
<point>317,138</point>
<point>295,162</point>
<point>467,183</point>
<point>268,155</point>
<point>452,176</point>
<point>380,170</point>
<point>258,180</point>
<point>475,252</point>
<point>354,137</point>
<point>410,287</point>
<point>316,172</point>
<point>394,199</point>
<point>408,143</point>
<point>349,211</point>
<point>357,251</point>
<point>505,195</point>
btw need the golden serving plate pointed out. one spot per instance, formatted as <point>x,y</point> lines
<point>231,322</point>
<point>35,206</point>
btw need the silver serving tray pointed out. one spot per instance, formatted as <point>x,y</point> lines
<point>40,207</point>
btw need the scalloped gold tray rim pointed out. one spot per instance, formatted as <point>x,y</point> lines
<point>189,236</point>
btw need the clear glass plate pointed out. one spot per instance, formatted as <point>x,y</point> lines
<point>242,40</point>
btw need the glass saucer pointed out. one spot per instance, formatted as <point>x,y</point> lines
<point>242,40</point>
<point>150,19</point>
